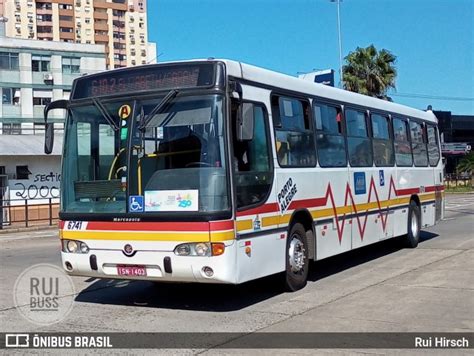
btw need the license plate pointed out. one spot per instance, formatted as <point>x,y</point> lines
<point>129,270</point>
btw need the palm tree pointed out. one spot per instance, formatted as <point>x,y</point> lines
<point>467,165</point>
<point>370,72</point>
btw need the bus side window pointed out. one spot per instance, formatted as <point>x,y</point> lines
<point>433,147</point>
<point>403,155</point>
<point>358,141</point>
<point>293,133</point>
<point>329,135</point>
<point>382,142</point>
<point>418,142</point>
<point>252,162</point>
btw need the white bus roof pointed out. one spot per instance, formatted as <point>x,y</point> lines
<point>279,80</point>
<point>275,79</point>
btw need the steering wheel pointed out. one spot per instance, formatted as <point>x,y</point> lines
<point>198,164</point>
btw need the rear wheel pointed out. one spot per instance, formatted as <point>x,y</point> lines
<point>414,225</point>
<point>297,262</point>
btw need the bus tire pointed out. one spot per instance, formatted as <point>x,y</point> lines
<point>297,261</point>
<point>414,225</point>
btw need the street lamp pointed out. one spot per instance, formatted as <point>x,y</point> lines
<point>338,3</point>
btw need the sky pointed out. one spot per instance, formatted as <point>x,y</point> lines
<point>432,39</point>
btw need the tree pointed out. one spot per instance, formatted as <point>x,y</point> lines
<point>370,72</point>
<point>466,164</point>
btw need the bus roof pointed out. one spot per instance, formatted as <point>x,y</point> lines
<point>279,80</point>
<point>276,79</point>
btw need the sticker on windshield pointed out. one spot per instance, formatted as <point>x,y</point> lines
<point>135,203</point>
<point>124,111</point>
<point>171,200</point>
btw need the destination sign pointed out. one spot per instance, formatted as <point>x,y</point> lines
<point>132,80</point>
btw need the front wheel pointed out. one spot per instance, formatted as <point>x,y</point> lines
<point>297,262</point>
<point>414,225</point>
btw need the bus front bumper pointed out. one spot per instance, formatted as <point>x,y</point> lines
<point>158,266</point>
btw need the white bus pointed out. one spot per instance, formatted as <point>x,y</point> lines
<point>218,171</point>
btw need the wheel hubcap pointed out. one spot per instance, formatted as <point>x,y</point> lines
<point>414,224</point>
<point>296,255</point>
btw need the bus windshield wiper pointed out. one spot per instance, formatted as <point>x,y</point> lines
<point>103,110</point>
<point>158,108</point>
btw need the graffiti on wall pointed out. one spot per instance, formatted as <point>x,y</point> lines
<point>40,185</point>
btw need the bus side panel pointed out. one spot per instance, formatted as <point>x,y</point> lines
<point>332,228</point>
<point>260,256</point>
<point>403,180</point>
<point>260,245</point>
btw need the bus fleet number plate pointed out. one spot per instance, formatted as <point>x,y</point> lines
<point>129,270</point>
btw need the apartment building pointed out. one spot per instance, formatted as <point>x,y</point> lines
<point>119,25</point>
<point>32,74</point>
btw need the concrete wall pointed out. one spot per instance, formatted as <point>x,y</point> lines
<point>42,183</point>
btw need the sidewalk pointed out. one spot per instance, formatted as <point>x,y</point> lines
<point>13,229</point>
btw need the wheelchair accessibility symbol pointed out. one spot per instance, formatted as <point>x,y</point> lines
<point>136,204</point>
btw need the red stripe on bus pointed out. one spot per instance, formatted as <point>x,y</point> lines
<point>266,208</point>
<point>159,226</point>
<point>407,191</point>
<point>221,225</point>
<point>307,203</point>
<point>148,226</point>
<point>435,188</point>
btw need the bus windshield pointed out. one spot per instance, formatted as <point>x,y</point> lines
<point>174,163</point>
<point>181,160</point>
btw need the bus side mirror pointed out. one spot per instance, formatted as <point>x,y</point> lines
<point>245,122</point>
<point>49,127</point>
<point>48,138</point>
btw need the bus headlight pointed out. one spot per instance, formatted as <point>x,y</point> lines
<point>74,246</point>
<point>200,249</point>
<point>71,246</point>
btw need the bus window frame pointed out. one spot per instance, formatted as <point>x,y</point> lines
<point>338,106</point>
<point>278,94</point>
<point>424,140</point>
<point>407,127</point>
<point>366,112</point>
<point>391,135</point>
<point>266,120</point>
<point>435,127</point>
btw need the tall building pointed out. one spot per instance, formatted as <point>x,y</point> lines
<point>120,25</point>
<point>32,74</point>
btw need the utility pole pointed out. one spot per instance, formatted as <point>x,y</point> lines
<point>341,76</point>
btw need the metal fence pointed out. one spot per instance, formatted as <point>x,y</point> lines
<point>457,180</point>
<point>28,212</point>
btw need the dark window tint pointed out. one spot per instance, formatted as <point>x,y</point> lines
<point>252,162</point>
<point>433,147</point>
<point>294,138</point>
<point>10,96</point>
<point>40,63</point>
<point>9,61</point>
<point>358,142</point>
<point>22,172</point>
<point>403,155</point>
<point>382,142</point>
<point>329,136</point>
<point>418,143</point>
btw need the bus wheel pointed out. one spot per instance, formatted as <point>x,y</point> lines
<point>297,261</point>
<point>414,225</point>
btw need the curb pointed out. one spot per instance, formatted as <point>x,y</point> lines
<point>26,229</point>
<point>459,193</point>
